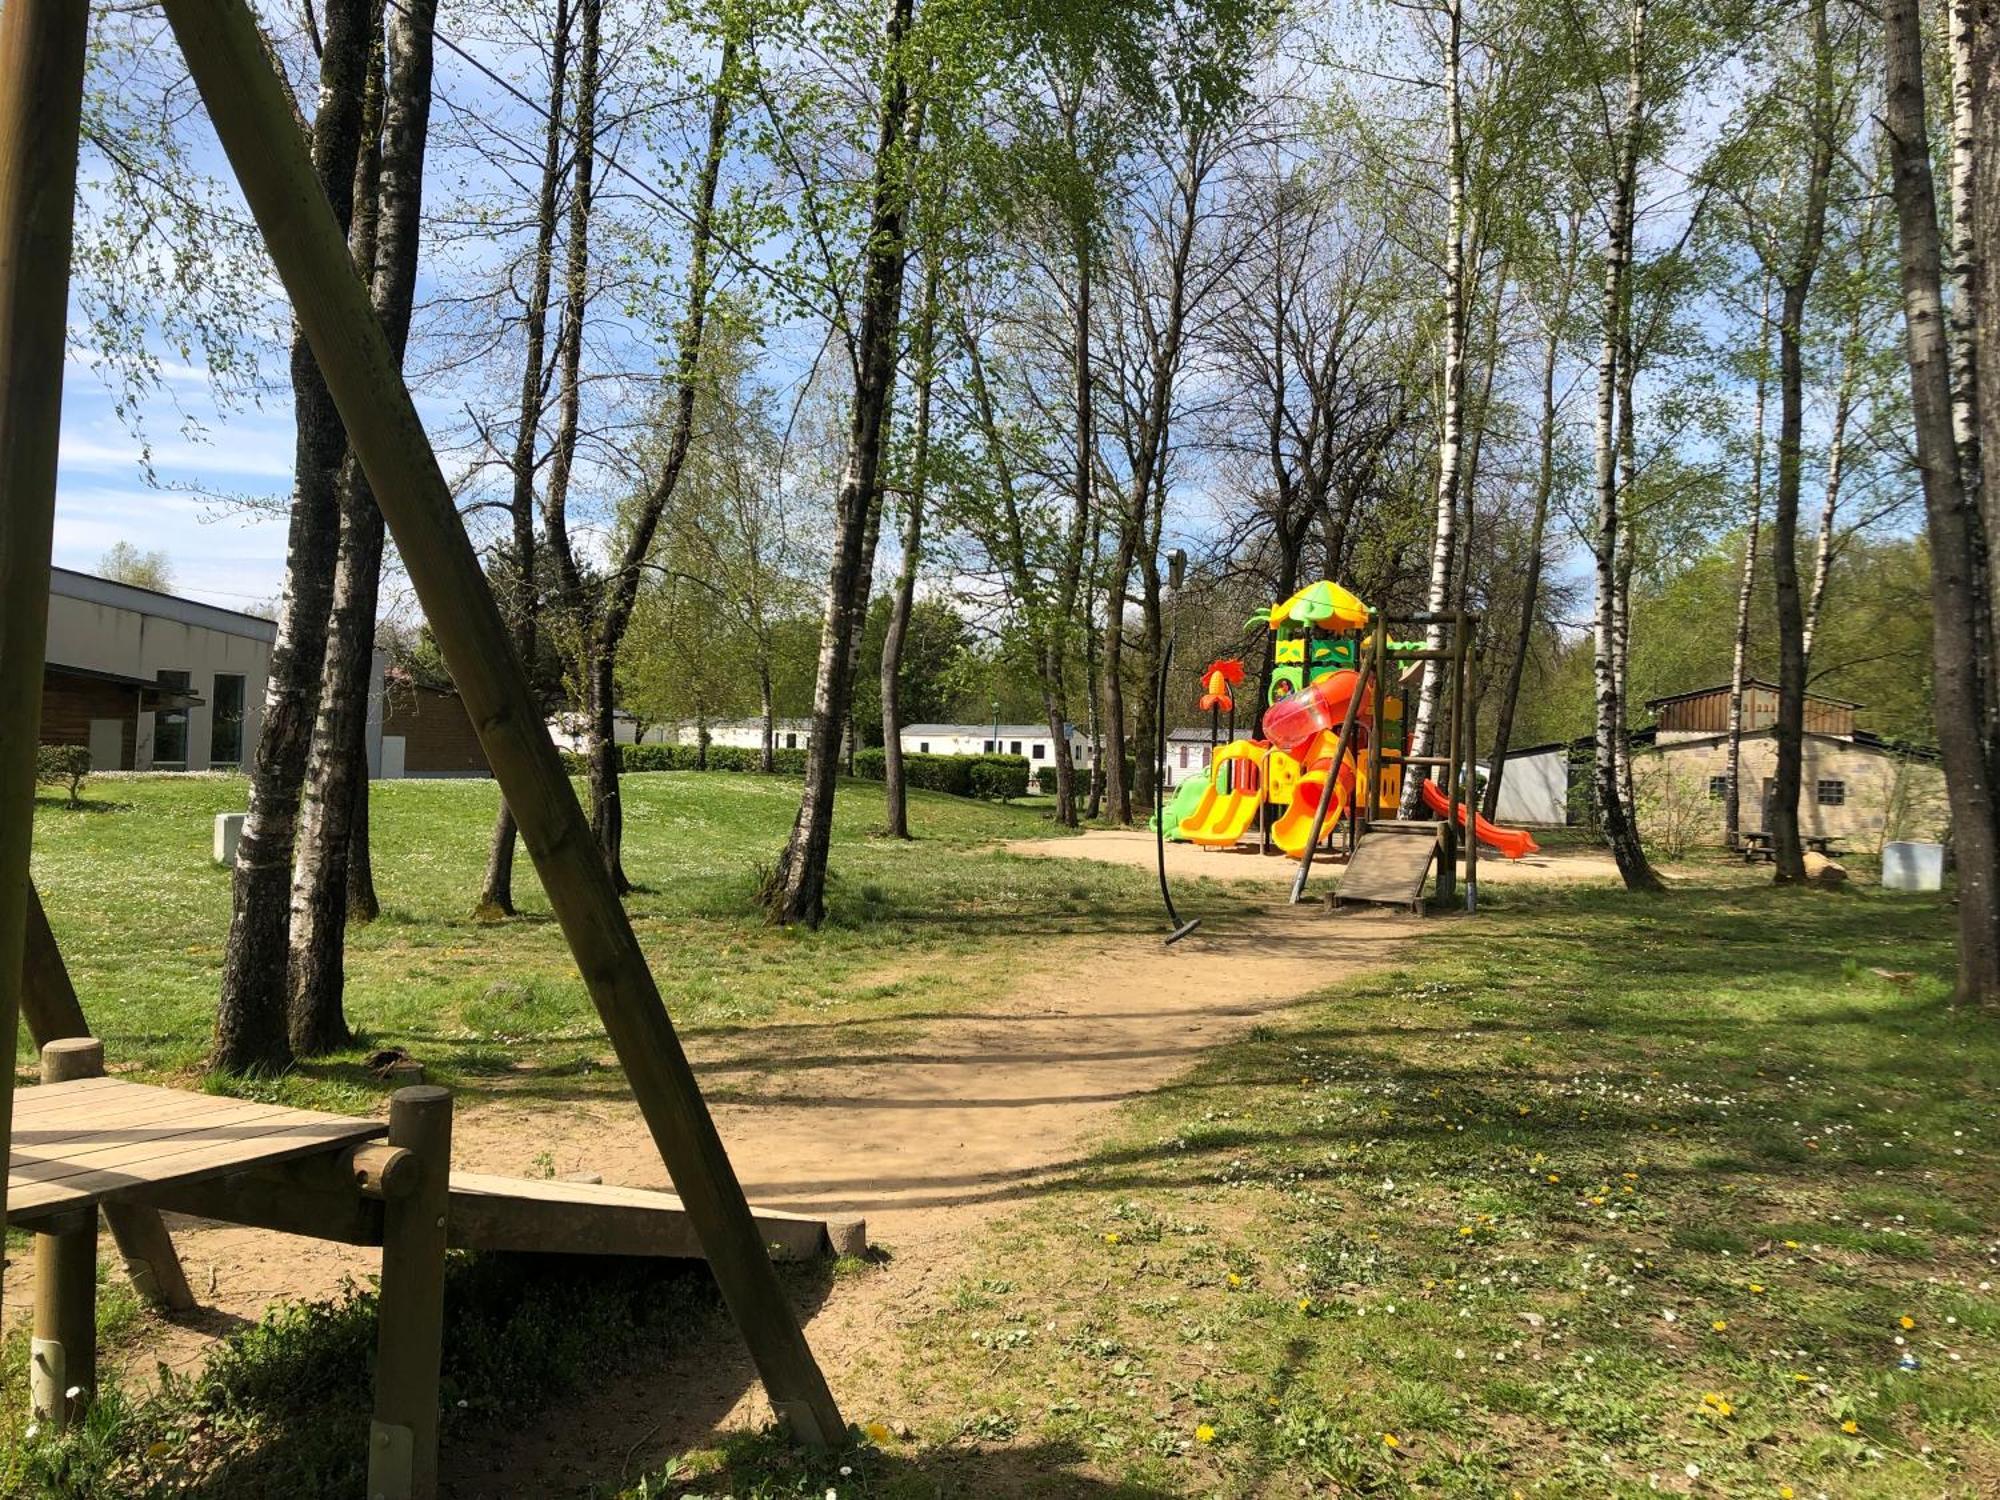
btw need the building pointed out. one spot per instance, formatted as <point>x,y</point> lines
<point>150,681</point>
<point>1535,790</point>
<point>1854,786</point>
<point>425,731</point>
<point>746,734</point>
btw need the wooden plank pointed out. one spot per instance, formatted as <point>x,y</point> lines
<point>104,1150</point>
<point>190,1157</point>
<point>230,63</point>
<point>254,1198</point>
<point>578,1218</point>
<point>1386,868</point>
<point>80,1122</point>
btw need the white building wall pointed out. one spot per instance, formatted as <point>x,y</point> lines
<point>1535,789</point>
<point>109,627</point>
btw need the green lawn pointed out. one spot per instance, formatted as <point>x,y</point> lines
<point>1595,1195</point>
<point>142,913</point>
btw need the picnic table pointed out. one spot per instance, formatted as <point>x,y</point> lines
<point>1756,844</point>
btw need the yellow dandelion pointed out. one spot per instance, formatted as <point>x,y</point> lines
<point>1305,1304</point>
<point>1800,1377</point>
<point>1757,1287</point>
<point>1784,1492</point>
<point>1204,1433</point>
<point>1234,1279</point>
<point>1465,1231</point>
<point>1111,1238</point>
<point>1720,1325</point>
<point>1389,1440</point>
<point>878,1432</point>
<point>1850,1427</point>
<point>1907,1322</point>
<point>1791,1244</point>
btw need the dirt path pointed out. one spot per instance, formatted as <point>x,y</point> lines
<point>928,1140</point>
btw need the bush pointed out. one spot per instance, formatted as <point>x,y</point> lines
<point>998,777</point>
<point>56,764</point>
<point>686,758</point>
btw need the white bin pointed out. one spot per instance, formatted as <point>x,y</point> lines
<point>228,833</point>
<point>1912,867</point>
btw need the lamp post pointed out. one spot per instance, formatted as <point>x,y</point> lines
<point>996,726</point>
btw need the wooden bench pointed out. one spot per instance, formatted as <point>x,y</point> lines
<point>1756,845</point>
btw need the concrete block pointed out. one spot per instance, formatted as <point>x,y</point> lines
<point>228,833</point>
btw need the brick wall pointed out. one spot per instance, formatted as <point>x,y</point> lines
<point>437,734</point>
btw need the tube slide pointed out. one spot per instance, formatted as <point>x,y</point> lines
<point>1513,843</point>
<point>1291,831</point>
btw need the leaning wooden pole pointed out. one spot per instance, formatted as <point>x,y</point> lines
<point>41,102</point>
<point>226,56</point>
<point>53,1014</point>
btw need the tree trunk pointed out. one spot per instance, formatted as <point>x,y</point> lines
<point>767,743</point>
<point>496,894</point>
<point>1620,835</point>
<point>1531,586</point>
<point>339,771</point>
<point>797,889</point>
<point>1961,598</point>
<point>1795,286</point>
<point>895,799</point>
<point>1451,437</point>
<point>1746,589</point>
<point>1970,80</point>
<point>250,1027</point>
<point>1836,458</point>
<point>621,590</point>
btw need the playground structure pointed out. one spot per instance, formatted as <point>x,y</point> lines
<point>1329,772</point>
<point>79,1142</point>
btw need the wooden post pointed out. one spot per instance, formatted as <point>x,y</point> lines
<point>41,101</point>
<point>50,1007</point>
<point>1447,876</point>
<point>62,1353</point>
<point>409,1332</point>
<point>225,54</point>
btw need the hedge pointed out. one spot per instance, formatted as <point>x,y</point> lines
<point>992,777</point>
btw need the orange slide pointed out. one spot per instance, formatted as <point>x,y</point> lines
<point>1513,843</point>
<point>1292,830</point>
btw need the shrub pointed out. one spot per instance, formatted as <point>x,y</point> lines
<point>687,758</point>
<point>56,764</point>
<point>998,777</point>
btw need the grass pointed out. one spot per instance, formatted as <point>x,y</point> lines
<point>1452,1205</point>
<point>915,929</point>
<point>1597,1196</point>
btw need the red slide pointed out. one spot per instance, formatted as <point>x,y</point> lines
<point>1513,843</point>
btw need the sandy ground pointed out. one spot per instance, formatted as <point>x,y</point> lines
<point>1193,861</point>
<point>927,1141</point>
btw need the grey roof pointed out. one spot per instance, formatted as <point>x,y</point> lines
<point>985,731</point>
<point>88,586</point>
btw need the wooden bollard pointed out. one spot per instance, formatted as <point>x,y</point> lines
<point>63,1348</point>
<point>409,1335</point>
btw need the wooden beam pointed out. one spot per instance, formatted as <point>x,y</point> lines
<point>226,55</point>
<point>53,1013</point>
<point>62,1352</point>
<point>41,103</point>
<point>409,1334</point>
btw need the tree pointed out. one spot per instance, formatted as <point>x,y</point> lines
<point>250,1018</point>
<point>334,819</point>
<point>1961,592</point>
<point>124,563</point>
<point>796,891</point>
<point>915,492</point>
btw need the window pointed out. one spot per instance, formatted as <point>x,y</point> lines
<point>923,747</point>
<point>1718,788</point>
<point>1831,793</point>
<point>1016,749</point>
<point>225,742</point>
<point>1041,750</point>
<point>170,726</point>
<point>1184,757</point>
<point>986,747</point>
<point>791,742</point>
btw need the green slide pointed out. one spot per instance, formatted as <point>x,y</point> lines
<point>1187,797</point>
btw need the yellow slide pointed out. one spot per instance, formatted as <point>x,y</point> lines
<point>1235,792</point>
